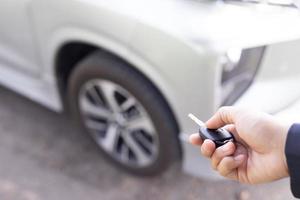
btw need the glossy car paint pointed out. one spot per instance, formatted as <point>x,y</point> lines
<point>177,44</point>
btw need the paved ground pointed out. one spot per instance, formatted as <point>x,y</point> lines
<point>42,157</point>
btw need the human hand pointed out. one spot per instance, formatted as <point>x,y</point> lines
<point>258,154</point>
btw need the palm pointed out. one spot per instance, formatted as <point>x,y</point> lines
<point>257,167</point>
<point>259,152</point>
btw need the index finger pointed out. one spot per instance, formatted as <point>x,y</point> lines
<point>225,115</point>
<point>195,139</point>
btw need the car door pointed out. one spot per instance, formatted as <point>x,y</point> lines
<point>17,47</point>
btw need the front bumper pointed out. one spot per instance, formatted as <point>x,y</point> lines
<point>185,40</point>
<point>275,90</point>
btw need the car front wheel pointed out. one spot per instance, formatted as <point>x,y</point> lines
<point>124,113</point>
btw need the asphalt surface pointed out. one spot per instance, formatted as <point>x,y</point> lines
<point>43,157</point>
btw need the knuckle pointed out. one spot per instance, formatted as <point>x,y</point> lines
<point>224,113</point>
<point>222,172</point>
<point>205,152</point>
<point>213,165</point>
<point>202,152</point>
<point>228,162</point>
<point>220,153</point>
<point>216,158</point>
<point>224,109</point>
<point>225,166</point>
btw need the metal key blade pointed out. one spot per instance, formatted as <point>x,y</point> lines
<point>196,120</point>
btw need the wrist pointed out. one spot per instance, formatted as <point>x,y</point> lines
<point>284,129</point>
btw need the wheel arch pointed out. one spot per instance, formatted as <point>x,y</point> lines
<point>71,52</point>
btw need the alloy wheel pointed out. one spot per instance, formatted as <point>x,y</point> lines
<point>118,123</point>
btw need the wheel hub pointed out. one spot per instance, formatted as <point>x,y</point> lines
<point>118,123</point>
<point>120,120</point>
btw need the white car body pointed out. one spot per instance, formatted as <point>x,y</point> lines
<point>177,44</point>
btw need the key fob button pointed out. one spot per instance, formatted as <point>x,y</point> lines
<point>218,136</point>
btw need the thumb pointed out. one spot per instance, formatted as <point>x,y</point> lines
<point>225,115</point>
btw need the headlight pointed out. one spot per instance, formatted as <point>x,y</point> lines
<point>239,68</point>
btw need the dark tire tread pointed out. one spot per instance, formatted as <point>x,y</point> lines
<point>104,66</point>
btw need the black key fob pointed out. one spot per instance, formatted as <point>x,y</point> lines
<point>218,136</point>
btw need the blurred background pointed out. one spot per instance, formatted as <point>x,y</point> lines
<point>95,94</point>
<point>44,157</point>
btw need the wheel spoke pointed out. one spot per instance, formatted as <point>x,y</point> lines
<point>128,103</point>
<point>95,125</point>
<point>142,158</point>
<point>108,90</point>
<point>141,122</point>
<point>145,142</point>
<point>110,139</point>
<point>119,123</point>
<point>95,96</point>
<point>94,110</point>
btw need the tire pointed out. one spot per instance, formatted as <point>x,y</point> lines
<point>101,69</point>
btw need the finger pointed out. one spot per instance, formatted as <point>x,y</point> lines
<point>221,152</point>
<point>195,139</point>
<point>208,147</point>
<point>225,115</point>
<point>231,128</point>
<point>228,166</point>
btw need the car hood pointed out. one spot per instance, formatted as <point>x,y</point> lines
<point>214,23</point>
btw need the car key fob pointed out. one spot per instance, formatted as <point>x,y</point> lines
<point>218,136</point>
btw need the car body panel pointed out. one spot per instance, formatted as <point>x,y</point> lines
<point>176,44</point>
<point>274,90</point>
<point>17,38</point>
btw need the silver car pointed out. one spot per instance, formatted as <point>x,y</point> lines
<point>130,71</point>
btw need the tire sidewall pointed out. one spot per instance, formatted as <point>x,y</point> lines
<point>103,67</point>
